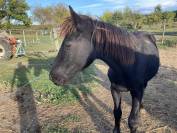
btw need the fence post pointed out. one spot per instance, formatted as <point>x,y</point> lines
<point>24,38</point>
<point>37,38</point>
<point>55,37</point>
<point>164,29</point>
<point>51,34</point>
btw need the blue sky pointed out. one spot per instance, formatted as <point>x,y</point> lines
<point>96,7</point>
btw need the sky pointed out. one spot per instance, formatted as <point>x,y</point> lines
<point>97,7</point>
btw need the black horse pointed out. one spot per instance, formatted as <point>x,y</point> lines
<point>133,59</point>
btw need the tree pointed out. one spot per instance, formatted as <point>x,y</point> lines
<point>168,16</point>
<point>60,12</point>
<point>2,9</point>
<point>137,19</point>
<point>158,9</point>
<point>134,20</point>
<point>128,18</point>
<point>117,18</point>
<point>15,10</point>
<point>175,15</point>
<point>43,15</point>
<point>157,15</point>
<point>148,19</point>
<point>107,17</point>
<point>50,15</point>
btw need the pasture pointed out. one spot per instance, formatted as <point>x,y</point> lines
<point>29,100</point>
<point>170,34</point>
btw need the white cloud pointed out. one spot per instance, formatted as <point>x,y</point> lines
<point>92,5</point>
<point>153,3</point>
<point>119,7</point>
<point>140,4</point>
<point>115,1</point>
<point>116,4</point>
<point>144,6</point>
<point>112,1</point>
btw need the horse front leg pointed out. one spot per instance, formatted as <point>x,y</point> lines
<point>117,108</point>
<point>133,120</point>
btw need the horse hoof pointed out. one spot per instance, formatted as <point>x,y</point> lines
<point>134,131</point>
<point>116,130</point>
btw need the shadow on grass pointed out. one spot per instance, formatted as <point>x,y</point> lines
<point>80,86</point>
<point>99,120</point>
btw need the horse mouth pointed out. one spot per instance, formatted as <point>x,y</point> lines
<point>59,81</point>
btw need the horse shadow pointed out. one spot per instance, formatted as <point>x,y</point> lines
<point>82,92</point>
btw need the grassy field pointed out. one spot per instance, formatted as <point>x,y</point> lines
<point>170,34</point>
<point>33,70</point>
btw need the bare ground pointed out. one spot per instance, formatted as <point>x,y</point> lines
<point>93,113</point>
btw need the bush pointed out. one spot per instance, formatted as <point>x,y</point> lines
<point>169,43</point>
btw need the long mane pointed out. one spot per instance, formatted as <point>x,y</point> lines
<point>107,39</point>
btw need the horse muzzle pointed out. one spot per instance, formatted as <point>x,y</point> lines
<point>58,79</point>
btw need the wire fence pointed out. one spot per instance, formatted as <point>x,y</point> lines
<point>40,40</point>
<point>40,47</point>
<point>31,36</point>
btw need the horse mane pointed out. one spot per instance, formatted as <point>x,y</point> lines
<point>114,41</point>
<point>67,27</point>
<point>107,39</point>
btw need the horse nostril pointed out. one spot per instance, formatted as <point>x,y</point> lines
<point>50,77</point>
<point>57,77</point>
<point>54,75</point>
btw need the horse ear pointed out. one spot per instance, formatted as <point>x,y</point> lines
<point>75,17</point>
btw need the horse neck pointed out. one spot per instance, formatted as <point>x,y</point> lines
<point>108,59</point>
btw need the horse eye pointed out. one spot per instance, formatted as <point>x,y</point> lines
<point>68,45</point>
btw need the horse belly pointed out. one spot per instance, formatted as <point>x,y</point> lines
<point>152,68</point>
<point>117,80</point>
<point>119,87</point>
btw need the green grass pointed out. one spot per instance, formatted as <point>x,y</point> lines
<point>61,125</point>
<point>72,118</point>
<point>34,73</point>
<point>52,128</point>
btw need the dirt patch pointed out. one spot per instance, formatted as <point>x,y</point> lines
<point>93,113</point>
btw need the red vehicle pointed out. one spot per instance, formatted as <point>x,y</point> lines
<point>7,46</point>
